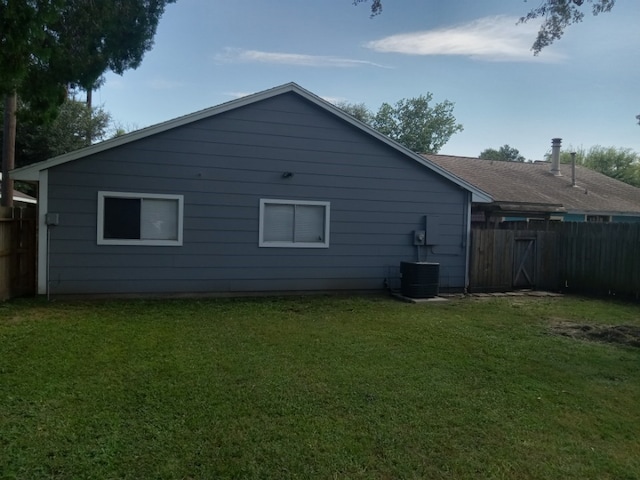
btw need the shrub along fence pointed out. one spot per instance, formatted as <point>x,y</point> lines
<point>600,258</point>
<point>17,252</point>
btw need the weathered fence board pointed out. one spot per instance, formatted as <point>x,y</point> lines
<point>581,257</point>
<point>491,260</point>
<point>601,258</point>
<point>17,252</point>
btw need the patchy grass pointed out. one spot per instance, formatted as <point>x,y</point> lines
<point>316,387</point>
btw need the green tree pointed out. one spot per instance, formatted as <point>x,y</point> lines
<point>557,15</point>
<point>376,6</point>
<point>620,163</point>
<point>413,122</point>
<point>77,125</point>
<point>503,154</point>
<point>357,110</point>
<point>48,45</point>
<point>102,35</point>
<point>416,124</point>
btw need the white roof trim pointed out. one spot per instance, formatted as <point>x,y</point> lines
<point>31,172</point>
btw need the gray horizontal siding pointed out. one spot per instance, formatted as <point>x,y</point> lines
<point>215,286</point>
<point>223,166</point>
<point>226,180</point>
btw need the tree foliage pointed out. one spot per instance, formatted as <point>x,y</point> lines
<point>413,122</point>
<point>357,110</point>
<point>63,42</point>
<point>116,42</point>
<point>26,47</point>
<point>556,16</point>
<point>620,163</point>
<point>48,45</point>
<point>503,154</point>
<point>376,6</point>
<point>76,126</point>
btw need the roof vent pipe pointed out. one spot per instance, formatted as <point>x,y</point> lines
<point>555,156</point>
<point>573,169</point>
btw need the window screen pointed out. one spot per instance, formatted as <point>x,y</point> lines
<point>309,221</point>
<point>159,219</point>
<point>279,222</point>
<point>285,223</point>
<point>140,219</point>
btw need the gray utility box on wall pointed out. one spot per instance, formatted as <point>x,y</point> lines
<point>419,279</point>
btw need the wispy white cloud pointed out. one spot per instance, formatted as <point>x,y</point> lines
<point>495,39</point>
<point>293,59</point>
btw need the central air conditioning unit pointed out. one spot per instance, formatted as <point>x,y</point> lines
<point>419,279</point>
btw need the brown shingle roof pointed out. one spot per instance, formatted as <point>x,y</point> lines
<point>533,183</point>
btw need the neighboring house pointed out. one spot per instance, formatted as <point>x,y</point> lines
<point>531,191</point>
<point>277,191</point>
<point>21,199</point>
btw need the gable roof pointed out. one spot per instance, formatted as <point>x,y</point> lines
<point>31,172</point>
<point>513,183</point>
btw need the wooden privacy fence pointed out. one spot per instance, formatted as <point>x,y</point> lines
<point>17,252</point>
<point>579,257</point>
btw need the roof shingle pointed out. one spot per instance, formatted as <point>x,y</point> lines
<point>533,183</point>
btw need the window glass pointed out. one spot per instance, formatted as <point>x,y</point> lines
<point>278,222</point>
<point>139,219</point>
<point>290,223</point>
<point>309,223</point>
<point>121,218</point>
<point>159,219</point>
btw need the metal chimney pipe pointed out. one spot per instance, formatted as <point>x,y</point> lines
<point>555,156</point>
<point>573,169</point>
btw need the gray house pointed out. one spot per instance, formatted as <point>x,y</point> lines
<point>277,191</point>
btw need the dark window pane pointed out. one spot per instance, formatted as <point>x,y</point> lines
<point>122,218</point>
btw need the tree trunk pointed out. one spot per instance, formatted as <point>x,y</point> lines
<point>9,147</point>
<point>89,137</point>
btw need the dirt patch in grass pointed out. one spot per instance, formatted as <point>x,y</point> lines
<point>628,335</point>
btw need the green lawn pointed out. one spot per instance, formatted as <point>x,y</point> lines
<point>316,387</point>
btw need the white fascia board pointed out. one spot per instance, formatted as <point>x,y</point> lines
<point>30,172</point>
<point>481,198</point>
<point>478,196</point>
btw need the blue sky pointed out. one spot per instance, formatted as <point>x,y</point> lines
<point>583,89</point>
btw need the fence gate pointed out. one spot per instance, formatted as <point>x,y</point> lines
<point>17,252</point>
<point>504,260</point>
<point>524,262</point>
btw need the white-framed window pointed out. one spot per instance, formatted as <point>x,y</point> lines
<point>126,218</point>
<point>294,223</point>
